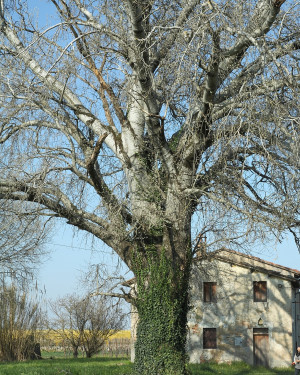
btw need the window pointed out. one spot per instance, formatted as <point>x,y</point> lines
<point>210,292</point>
<point>259,291</point>
<point>209,338</point>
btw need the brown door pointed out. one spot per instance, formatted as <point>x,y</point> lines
<point>261,347</point>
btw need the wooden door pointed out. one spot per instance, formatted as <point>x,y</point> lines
<point>261,347</point>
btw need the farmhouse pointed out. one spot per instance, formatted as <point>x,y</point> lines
<point>243,309</point>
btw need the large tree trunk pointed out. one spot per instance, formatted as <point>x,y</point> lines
<point>162,305</point>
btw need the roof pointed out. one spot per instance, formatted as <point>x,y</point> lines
<point>253,263</point>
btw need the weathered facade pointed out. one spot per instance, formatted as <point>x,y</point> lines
<point>243,309</point>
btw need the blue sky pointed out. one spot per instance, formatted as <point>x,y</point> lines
<point>69,256</point>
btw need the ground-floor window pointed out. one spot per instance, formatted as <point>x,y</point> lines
<point>209,338</point>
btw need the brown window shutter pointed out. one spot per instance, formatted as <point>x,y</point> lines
<point>209,292</point>
<point>260,291</point>
<point>213,292</point>
<point>206,292</point>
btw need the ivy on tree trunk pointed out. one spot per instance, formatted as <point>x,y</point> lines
<point>162,305</point>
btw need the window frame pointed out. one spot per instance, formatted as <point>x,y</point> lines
<point>260,291</point>
<point>209,292</point>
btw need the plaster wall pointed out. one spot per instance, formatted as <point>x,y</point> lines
<point>235,314</point>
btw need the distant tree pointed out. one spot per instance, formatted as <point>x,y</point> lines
<point>67,321</point>
<point>19,321</point>
<point>105,319</point>
<point>146,122</point>
<point>86,322</point>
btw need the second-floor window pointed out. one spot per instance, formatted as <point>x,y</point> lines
<point>260,291</point>
<point>209,292</point>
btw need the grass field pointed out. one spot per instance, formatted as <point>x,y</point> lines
<point>81,366</point>
<point>121,366</point>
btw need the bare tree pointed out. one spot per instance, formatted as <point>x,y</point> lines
<point>146,122</point>
<point>22,239</point>
<point>104,320</point>
<point>86,322</point>
<point>66,323</point>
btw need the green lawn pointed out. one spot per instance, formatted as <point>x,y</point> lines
<point>238,368</point>
<point>121,366</point>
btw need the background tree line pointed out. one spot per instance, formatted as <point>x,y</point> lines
<point>84,323</point>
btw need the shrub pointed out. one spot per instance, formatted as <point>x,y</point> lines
<point>19,318</point>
